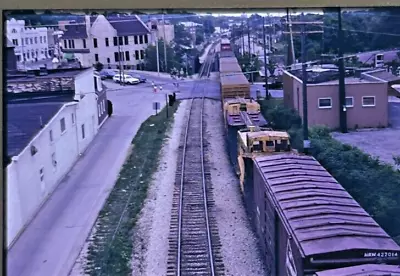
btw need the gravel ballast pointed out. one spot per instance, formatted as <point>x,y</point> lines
<point>239,244</point>
<point>151,246</point>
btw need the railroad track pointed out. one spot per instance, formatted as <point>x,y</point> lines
<point>194,241</point>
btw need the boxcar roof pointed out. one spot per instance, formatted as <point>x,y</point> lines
<point>234,79</point>
<point>229,67</point>
<point>318,212</point>
<point>363,270</point>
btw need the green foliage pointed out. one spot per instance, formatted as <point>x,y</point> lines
<point>150,61</point>
<point>249,63</point>
<point>98,66</point>
<point>375,186</point>
<point>114,258</point>
<point>182,36</point>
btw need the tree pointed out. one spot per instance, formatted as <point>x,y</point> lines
<point>99,66</point>
<point>182,36</point>
<point>208,26</point>
<point>150,61</point>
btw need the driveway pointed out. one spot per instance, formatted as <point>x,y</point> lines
<point>51,243</point>
<point>381,143</point>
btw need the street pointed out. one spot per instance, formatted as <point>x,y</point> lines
<point>53,240</point>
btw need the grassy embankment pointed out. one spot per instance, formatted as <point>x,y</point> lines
<point>110,251</point>
<point>374,185</point>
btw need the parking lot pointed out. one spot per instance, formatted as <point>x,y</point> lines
<point>381,143</point>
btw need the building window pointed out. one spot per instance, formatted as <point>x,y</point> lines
<point>96,57</point>
<point>349,102</point>
<point>36,40</point>
<point>146,39</point>
<point>73,118</point>
<point>116,56</point>
<point>65,44</point>
<point>14,31</point>
<point>107,42</point>
<point>141,54</point>
<point>84,43</point>
<point>26,41</point>
<point>115,41</point>
<point>53,159</point>
<point>120,40</point>
<point>41,173</point>
<point>325,102</point>
<point>95,42</point>
<point>127,55</point>
<point>136,39</point>
<point>137,55</point>
<point>83,131</point>
<point>70,44</point>
<point>368,101</point>
<point>41,39</point>
<point>44,39</point>
<point>15,42</point>
<point>73,44</point>
<point>126,40</point>
<point>108,60</point>
<point>27,55</point>
<point>95,83</point>
<point>141,39</point>
<point>51,135</point>
<point>31,40</point>
<point>62,125</point>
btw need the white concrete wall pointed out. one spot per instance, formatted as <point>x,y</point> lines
<point>26,191</point>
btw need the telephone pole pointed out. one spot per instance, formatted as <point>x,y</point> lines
<point>265,61</point>
<point>303,33</point>
<point>342,88</point>
<point>165,45</point>
<point>242,39</point>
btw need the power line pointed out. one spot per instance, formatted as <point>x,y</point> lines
<point>359,31</point>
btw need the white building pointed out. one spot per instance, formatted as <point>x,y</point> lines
<point>166,31</point>
<point>31,44</point>
<point>114,41</point>
<point>45,139</point>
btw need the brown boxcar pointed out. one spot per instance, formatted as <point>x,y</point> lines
<point>229,65</point>
<point>307,222</point>
<point>226,54</point>
<point>225,45</point>
<point>234,85</point>
<point>363,270</point>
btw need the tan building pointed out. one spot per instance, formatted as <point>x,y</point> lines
<point>366,98</point>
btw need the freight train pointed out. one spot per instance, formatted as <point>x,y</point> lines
<point>305,221</point>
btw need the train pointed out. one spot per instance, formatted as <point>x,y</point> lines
<point>306,223</point>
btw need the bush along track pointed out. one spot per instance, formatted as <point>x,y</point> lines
<point>110,249</point>
<point>375,186</point>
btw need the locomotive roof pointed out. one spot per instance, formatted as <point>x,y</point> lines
<point>238,120</point>
<point>363,270</point>
<point>318,212</point>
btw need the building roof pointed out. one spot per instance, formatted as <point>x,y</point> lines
<point>369,57</point>
<point>363,270</point>
<point>124,25</point>
<point>317,211</point>
<point>25,121</point>
<point>384,75</point>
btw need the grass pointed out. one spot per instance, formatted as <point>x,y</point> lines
<point>110,250</point>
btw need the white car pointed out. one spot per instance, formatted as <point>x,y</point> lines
<point>126,79</point>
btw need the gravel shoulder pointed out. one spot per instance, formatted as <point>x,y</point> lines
<point>239,244</point>
<point>150,252</point>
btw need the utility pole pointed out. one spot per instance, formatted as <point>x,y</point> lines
<point>165,45</point>
<point>121,79</point>
<point>342,88</point>
<point>265,61</point>
<point>158,54</point>
<point>242,39</point>
<point>248,41</point>
<point>303,32</point>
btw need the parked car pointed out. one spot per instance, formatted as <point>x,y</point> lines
<point>107,74</point>
<point>136,75</point>
<point>128,79</point>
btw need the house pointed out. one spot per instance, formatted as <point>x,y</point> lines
<point>113,41</point>
<point>47,131</point>
<point>31,44</point>
<point>166,31</point>
<point>366,98</point>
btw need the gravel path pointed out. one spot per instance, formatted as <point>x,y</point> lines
<point>151,234</point>
<point>239,245</point>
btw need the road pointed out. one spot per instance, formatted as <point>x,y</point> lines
<point>51,243</point>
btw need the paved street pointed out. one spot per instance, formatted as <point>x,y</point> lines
<point>51,243</point>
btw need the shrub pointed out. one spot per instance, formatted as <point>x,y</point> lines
<point>98,66</point>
